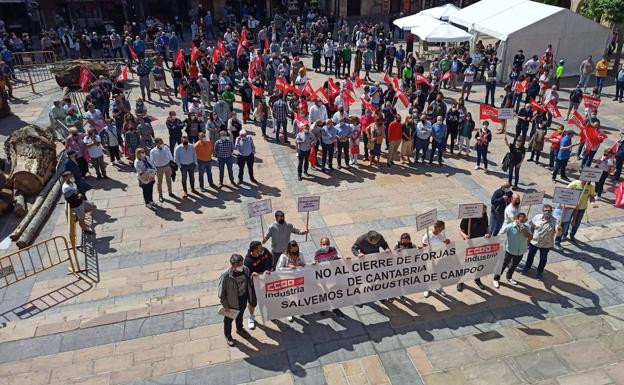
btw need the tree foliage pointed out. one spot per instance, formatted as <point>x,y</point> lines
<point>607,10</point>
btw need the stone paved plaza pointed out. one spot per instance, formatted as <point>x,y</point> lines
<point>152,317</point>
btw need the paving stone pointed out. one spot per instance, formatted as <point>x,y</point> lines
<point>616,372</point>
<point>309,376</point>
<point>451,353</point>
<point>399,368</point>
<point>581,326</point>
<point>541,334</point>
<point>451,376</point>
<point>99,335</point>
<point>164,323</point>
<point>593,377</point>
<point>38,346</point>
<point>541,365</point>
<point>491,372</point>
<point>343,350</point>
<point>586,354</point>
<point>497,343</point>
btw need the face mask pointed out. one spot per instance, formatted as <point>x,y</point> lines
<point>281,221</point>
<point>72,180</point>
<point>239,269</point>
<point>185,143</point>
<point>547,214</point>
<point>516,204</point>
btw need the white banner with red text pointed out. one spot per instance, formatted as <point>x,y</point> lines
<point>347,282</point>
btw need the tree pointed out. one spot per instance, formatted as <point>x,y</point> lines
<point>611,11</point>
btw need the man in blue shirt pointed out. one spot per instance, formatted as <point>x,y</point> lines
<point>246,154</point>
<point>563,156</point>
<point>438,139</point>
<point>185,157</point>
<point>344,133</point>
<point>174,43</point>
<point>304,141</point>
<point>139,47</point>
<point>329,136</point>
<point>518,237</point>
<point>160,44</point>
<point>400,59</point>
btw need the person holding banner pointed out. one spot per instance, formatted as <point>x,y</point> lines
<point>280,232</point>
<point>544,229</point>
<point>290,260</point>
<point>518,236</point>
<point>474,228</point>
<point>369,243</point>
<point>259,261</point>
<point>235,291</point>
<point>435,239</point>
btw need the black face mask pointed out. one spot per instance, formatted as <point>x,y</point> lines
<point>185,143</point>
<point>281,221</point>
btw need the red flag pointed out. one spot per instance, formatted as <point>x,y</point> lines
<point>220,46</point>
<point>387,79</point>
<point>347,97</point>
<point>395,82</point>
<point>239,50</point>
<point>123,75</point>
<point>349,85</point>
<point>614,150</point>
<point>446,75</point>
<point>266,43</point>
<point>592,138</point>
<point>312,156</point>
<point>195,53</point>
<point>244,34</point>
<point>133,54</point>
<point>280,84</point>
<point>535,106</point>
<point>402,97</point>
<point>256,90</point>
<point>422,80</point>
<point>358,82</point>
<point>487,112</point>
<point>551,106</point>
<point>590,102</point>
<point>522,86</point>
<point>255,63</point>
<point>308,91</point>
<point>291,88</point>
<point>619,195</point>
<point>300,121</point>
<point>577,120</point>
<point>322,96</point>
<point>179,59</point>
<point>367,104</point>
<point>86,77</point>
<point>333,87</point>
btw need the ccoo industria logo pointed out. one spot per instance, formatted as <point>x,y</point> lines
<point>283,284</point>
<point>483,252</point>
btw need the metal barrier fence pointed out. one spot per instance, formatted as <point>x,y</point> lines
<point>34,259</point>
<point>32,67</point>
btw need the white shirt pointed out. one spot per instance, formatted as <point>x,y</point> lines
<point>161,157</point>
<point>94,116</point>
<point>301,82</point>
<point>197,109</point>
<point>95,151</point>
<point>437,241</point>
<point>317,113</point>
<point>510,213</point>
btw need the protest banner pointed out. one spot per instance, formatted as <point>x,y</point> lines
<point>347,282</point>
<point>307,204</point>
<point>505,113</point>
<point>590,174</point>
<point>566,196</point>
<point>532,198</point>
<point>258,209</point>
<point>424,221</point>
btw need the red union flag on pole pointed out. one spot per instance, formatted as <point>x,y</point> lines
<point>133,54</point>
<point>85,78</point>
<point>333,87</point>
<point>195,53</point>
<point>349,85</point>
<point>266,43</point>
<point>300,121</point>
<point>179,58</point>
<point>522,86</point>
<point>395,82</point>
<point>387,78</point>
<point>591,102</point>
<point>358,82</point>
<point>256,90</point>
<point>592,138</point>
<point>367,104</point>
<point>123,75</point>
<point>422,80</point>
<point>280,84</point>
<point>487,112</point>
<point>535,106</point>
<point>619,195</point>
<point>215,55</point>
<point>577,120</point>
<point>220,46</point>
<point>402,97</point>
<point>446,75</point>
<point>308,91</point>
<point>551,106</point>
<point>322,96</point>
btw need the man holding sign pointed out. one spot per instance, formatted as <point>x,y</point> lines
<point>474,227</point>
<point>280,232</point>
<point>572,215</point>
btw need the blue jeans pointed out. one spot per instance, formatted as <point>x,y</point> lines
<point>496,222</point>
<point>600,83</point>
<point>482,155</point>
<point>572,225</point>
<point>584,80</point>
<point>490,88</point>
<point>588,159</point>
<point>514,173</point>
<point>437,145</point>
<point>281,124</point>
<point>560,165</point>
<point>185,104</point>
<point>226,162</point>
<point>204,167</point>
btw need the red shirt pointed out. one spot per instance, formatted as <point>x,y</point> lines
<point>556,136</point>
<point>394,131</point>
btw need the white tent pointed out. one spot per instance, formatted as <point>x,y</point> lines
<point>442,12</point>
<point>440,33</point>
<point>416,20</point>
<point>531,26</point>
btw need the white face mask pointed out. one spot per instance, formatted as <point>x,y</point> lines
<point>239,269</point>
<point>72,180</point>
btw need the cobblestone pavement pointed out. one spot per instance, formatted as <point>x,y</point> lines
<point>152,318</point>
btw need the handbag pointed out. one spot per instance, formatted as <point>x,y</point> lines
<point>506,161</point>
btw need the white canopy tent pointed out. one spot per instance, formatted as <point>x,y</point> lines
<point>531,26</point>
<point>416,20</point>
<point>441,33</point>
<point>442,12</point>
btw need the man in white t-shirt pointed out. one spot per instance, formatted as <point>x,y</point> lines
<point>512,209</point>
<point>94,117</point>
<point>96,153</point>
<point>436,239</point>
<point>469,75</point>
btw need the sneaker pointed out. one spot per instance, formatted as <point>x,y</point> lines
<point>243,333</point>
<point>290,318</point>
<point>251,324</point>
<point>539,276</point>
<point>512,281</point>
<point>496,284</point>
<point>481,286</point>
<point>203,190</point>
<point>460,287</point>
<point>426,294</point>
<point>229,340</point>
<point>477,167</point>
<point>160,198</point>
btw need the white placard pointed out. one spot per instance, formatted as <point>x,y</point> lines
<point>590,174</point>
<point>566,196</point>
<point>426,219</point>
<point>470,210</point>
<point>505,113</point>
<point>533,198</point>
<point>307,204</point>
<point>259,208</point>
<point>347,282</point>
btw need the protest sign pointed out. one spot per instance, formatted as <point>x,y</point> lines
<point>505,113</point>
<point>470,210</point>
<point>307,204</point>
<point>589,174</point>
<point>347,282</point>
<point>566,196</point>
<point>533,198</point>
<point>258,209</point>
<point>426,219</point>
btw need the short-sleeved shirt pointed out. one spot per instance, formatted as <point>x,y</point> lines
<point>394,131</point>
<point>478,226</point>
<point>588,191</point>
<point>564,154</point>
